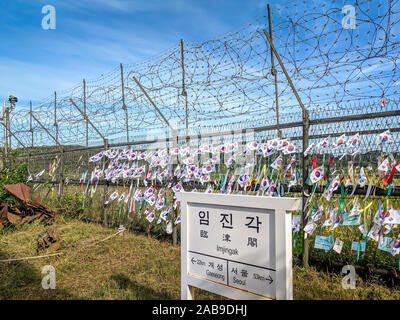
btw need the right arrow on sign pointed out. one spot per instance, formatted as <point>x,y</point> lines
<point>269,279</point>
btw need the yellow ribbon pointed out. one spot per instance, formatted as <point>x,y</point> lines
<point>264,172</point>
<point>370,204</point>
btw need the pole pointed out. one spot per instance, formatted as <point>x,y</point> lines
<point>284,71</point>
<point>87,124</point>
<point>30,129</point>
<point>16,138</point>
<point>105,191</point>
<point>88,121</point>
<point>174,142</point>
<point>274,72</point>
<point>124,107</point>
<point>61,185</point>
<point>5,109</point>
<point>55,114</point>
<point>44,128</point>
<point>84,111</point>
<point>305,254</point>
<point>9,127</point>
<point>30,123</point>
<point>184,93</point>
<point>154,105</point>
<point>306,126</point>
<point>174,159</point>
<point>61,171</point>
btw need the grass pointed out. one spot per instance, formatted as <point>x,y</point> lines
<point>314,285</point>
<point>125,267</point>
<point>130,266</point>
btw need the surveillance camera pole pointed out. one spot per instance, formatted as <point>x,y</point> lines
<point>5,119</point>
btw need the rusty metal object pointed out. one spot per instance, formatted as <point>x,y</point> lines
<point>23,193</point>
<point>50,241</point>
<point>30,208</point>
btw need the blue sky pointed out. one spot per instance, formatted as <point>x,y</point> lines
<point>92,37</point>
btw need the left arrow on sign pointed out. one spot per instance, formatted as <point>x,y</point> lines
<point>193,261</point>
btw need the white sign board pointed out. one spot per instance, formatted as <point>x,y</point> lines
<point>236,246</point>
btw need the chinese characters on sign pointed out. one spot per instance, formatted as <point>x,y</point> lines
<point>232,247</point>
<point>239,247</point>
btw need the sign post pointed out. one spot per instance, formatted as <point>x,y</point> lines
<point>236,246</point>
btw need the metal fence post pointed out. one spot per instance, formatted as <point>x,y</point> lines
<point>61,171</point>
<point>31,131</point>
<point>5,119</point>
<point>305,141</point>
<point>306,126</point>
<point>61,183</point>
<point>124,107</point>
<point>105,191</point>
<point>87,124</point>
<point>184,93</point>
<point>274,73</point>
<point>174,142</point>
<point>30,123</point>
<point>174,160</point>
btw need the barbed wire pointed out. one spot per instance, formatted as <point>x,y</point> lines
<point>229,84</point>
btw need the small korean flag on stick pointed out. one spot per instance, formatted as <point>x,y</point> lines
<point>323,144</point>
<point>384,137</point>
<point>293,180</point>
<point>317,174</point>
<point>330,219</point>
<point>178,220</point>
<point>339,142</point>
<point>121,197</point>
<point>353,141</point>
<point>113,196</point>
<point>396,246</point>
<point>362,180</point>
<point>150,217</point>
<point>384,166</point>
<point>309,149</point>
<point>277,163</point>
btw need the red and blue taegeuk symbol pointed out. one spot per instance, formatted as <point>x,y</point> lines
<point>265,183</point>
